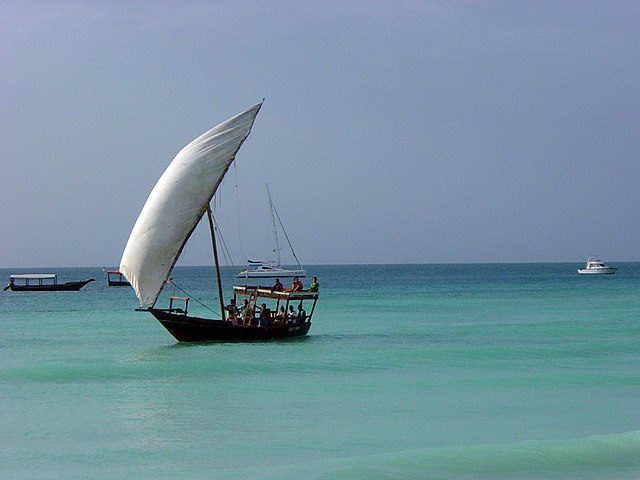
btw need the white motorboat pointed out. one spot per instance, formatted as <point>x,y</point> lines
<point>596,267</point>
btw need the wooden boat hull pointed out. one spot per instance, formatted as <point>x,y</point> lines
<point>115,283</point>
<point>60,287</point>
<point>196,329</point>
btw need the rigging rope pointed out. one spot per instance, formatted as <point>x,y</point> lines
<point>225,250</point>
<point>192,297</point>
<point>235,171</point>
<point>285,234</point>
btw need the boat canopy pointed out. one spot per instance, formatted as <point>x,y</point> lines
<point>33,276</point>
<point>268,292</point>
<point>177,202</point>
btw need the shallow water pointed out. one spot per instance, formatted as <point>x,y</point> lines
<point>409,371</point>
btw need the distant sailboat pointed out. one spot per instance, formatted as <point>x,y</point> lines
<point>273,268</point>
<point>170,215</point>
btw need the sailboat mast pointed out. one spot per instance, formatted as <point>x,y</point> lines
<point>275,230</point>
<point>215,260</point>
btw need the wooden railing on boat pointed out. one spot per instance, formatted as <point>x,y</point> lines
<point>185,300</point>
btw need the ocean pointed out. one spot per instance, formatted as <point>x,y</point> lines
<point>496,371</point>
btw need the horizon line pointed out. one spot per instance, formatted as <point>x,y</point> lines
<point>349,264</point>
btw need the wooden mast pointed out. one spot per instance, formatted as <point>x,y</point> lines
<point>215,260</point>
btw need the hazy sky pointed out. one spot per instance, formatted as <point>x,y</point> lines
<point>393,132</point>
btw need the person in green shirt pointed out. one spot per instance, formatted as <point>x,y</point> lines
<point>313,286</point>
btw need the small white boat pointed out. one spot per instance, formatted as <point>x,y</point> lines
<point>596,267</point>
<point>269,270</point>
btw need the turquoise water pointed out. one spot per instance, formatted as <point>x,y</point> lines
<point>409,372</point>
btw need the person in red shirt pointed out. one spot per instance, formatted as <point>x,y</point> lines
<point>296,286</point>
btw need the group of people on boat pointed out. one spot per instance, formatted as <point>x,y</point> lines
<point>246,317</point>
<point>296,286</point>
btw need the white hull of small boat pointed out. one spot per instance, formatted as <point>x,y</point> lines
<point>597,271</point>
<point>272,273</point>
<point>596,267</point>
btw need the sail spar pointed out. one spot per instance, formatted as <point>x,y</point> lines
<point>177,202</point>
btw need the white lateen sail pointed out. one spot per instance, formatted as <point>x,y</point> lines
<point>177,202</point>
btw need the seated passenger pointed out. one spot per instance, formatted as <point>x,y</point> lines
<point>302,315</point>
<point>313,286</point>
<point>277,287</point>
<point>296,285</point>
<point>281,315</point>
<point>265,315</point>
<point>292,316</point>
<point>232,311</point>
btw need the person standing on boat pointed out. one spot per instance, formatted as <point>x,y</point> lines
<point>313,286</point>
<point>247,312</point>
<point>277,287</point>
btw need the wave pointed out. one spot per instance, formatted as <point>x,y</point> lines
<point>615,456</point>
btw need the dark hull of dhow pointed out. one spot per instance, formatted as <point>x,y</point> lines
<point>196,329</point>
<point>59,287</point>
